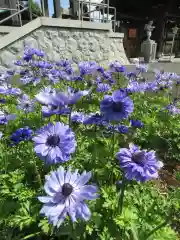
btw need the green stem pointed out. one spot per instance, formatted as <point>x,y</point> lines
<point>161,225</point>
<point>121,195</point>
<point>37,172</point>
<point>69,120</point>
<point>73,236</point>
<point>31,235</point>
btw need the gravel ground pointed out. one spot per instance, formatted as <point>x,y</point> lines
<point>167,67</point>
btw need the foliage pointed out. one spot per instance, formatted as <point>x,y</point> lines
<point>36,10</point>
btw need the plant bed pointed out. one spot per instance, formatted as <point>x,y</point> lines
<point>85,152</point>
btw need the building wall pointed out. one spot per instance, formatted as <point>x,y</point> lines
<point>68,43</point>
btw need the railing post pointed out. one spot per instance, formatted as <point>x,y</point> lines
<point>12,5</point>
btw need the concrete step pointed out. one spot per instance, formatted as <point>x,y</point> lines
<point>4,30</point>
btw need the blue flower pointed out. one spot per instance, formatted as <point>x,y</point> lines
<point>136,123</point>
<point>94,118</point>
<point>70,97</point>
<point>5,117</point>
<point>50,110</point>
<point>123,129</point>
<point>142,67</point>
<point>116,107</point>
<point>66,194</point>
<point>117,67</point>
<point>46,96</point>
<point>21,134</point>
<point>26,104</point>
<point>7,89</point>
<point>86,68</point>
<point>103,87</point>
<point>139,165</point>
<point>63,63</point>
<point>2,100</point>
<point>78,117</point>
<point>172,109</point>
<point>54,143</point>
<point>118,128</point>
<point>135,86</point>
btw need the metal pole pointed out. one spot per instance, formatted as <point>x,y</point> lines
<point>18,7</point>
<point>30,10</point>
<point>108,11</point>
<point>103,13</point>
<point>114,19</point>
<point>57,8</point>
<point>89,10</point>
<point>42,7</point>
<point>13,5</point>
<point>79,10</point>
<point>172,46</point>
<point>82,4</point>
<point>13,15</point>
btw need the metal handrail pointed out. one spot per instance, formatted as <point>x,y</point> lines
<point>102,6</point>
<point>10,9</point>
<point>17,13</point>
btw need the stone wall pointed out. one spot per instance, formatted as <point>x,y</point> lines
<point>68,43</point>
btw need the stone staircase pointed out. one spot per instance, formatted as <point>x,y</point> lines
<point>62,39</point>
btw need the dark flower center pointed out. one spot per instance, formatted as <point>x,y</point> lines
<point>53,141</point>
<point>117,107</point>
<point>139,157</point>
<point>67,189</point>
<point>26,105</point>
<point>54,107</point>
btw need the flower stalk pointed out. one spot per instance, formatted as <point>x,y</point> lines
<point>161,225</point>
<point>121,195</point>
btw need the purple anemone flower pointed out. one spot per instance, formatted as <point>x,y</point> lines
<point>21,134</point>
<point>139,165</point>
<point>103,87</point>
<point>54,143</point>
<point>61,98</point>
<point>142,67</point>
<point>66,194</point>
<point>78,117</point>
<point>95,118</point>
<point>172,109</point>
<point>135,86</point>
<point>136,123</point>
<point>70,97</point>
<point>26,104</point>
<point>86,68</point>
<point>117,67</point>
<point>7,89</point>
<point>118,106</point>
<point>118,128</point>
<point>5,117</point>
<point>48,111</point>
<point>46,96</point>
